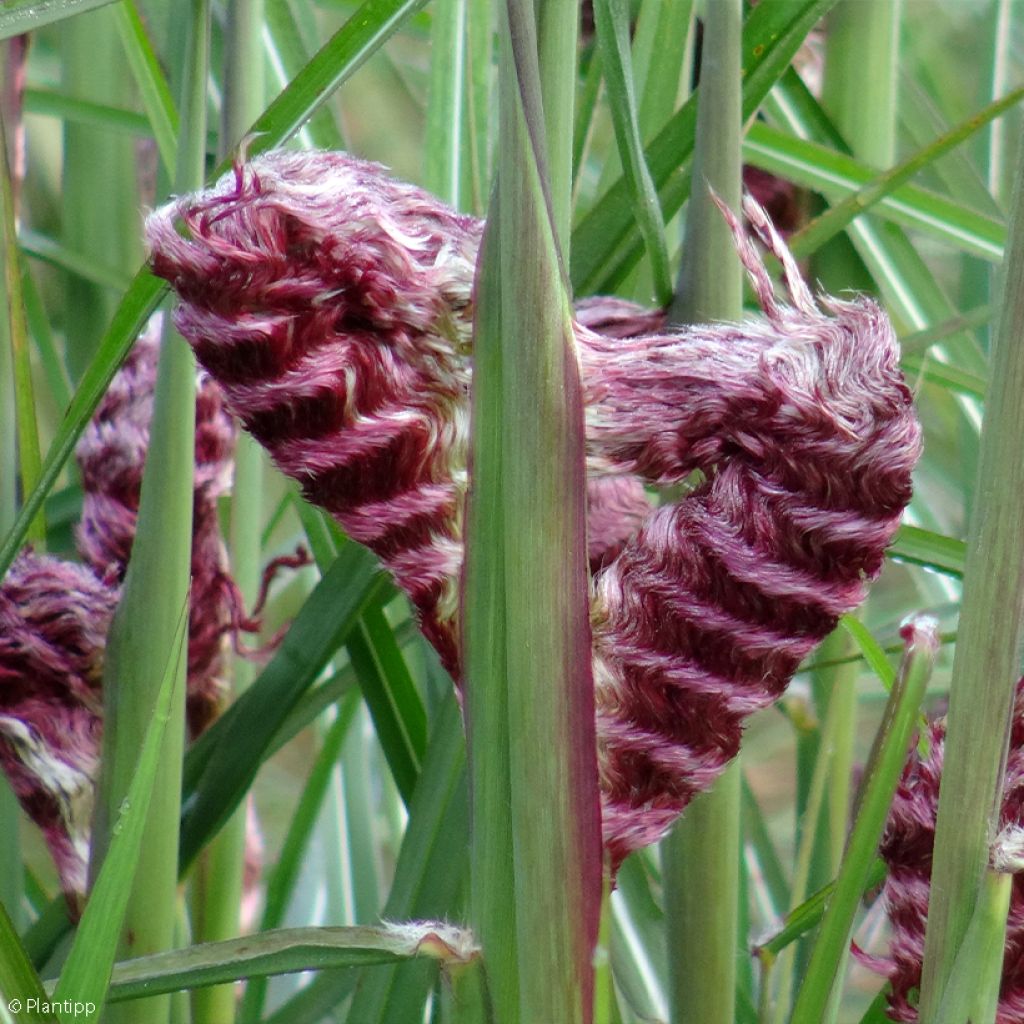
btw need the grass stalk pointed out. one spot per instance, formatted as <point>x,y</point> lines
<point>217,884</point>
<point>986,663</point>
<point>154,593</point>
<point>536,870</point>
<point>11,871</point>
<point>701,855</point>
<point>99,175</point>
<point>891,746</point>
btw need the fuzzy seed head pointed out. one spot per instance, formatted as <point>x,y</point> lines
<point>333,306</point>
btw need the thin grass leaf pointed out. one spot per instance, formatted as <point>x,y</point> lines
<point>757,836</point>
<point>612,20</point>
<point>359,38</point>
<point>430,875</point>
<point>52,103</point>
<point>920,341</point>
<point>17,335</point>
<point>136,307</point>
<point>637,947</point>
<point>281,880</point>
<point>803,919</point>
<point>82,265</point>
<point>57,381</point>
<point>157,100</point>
<point>395,705</point>
<point>19,16</point>
<point>290,52</point>
<point>838,175</point>
<point>86,973</point>
<point>18,978</point>
<point>288,950</point>
<point>606,242</point>
<point>218,777</point>
<point>881,778</point>
<point>931,550</point>
<point>827,225</point>
<point>962,382</point>
<point>870,649</point>
<point>987,659</point>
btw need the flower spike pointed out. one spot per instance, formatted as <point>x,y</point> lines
<point>332,304</point>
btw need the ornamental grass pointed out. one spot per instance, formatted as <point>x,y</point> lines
<point>509,512</point>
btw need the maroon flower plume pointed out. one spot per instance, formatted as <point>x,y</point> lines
<point>54,615</point>
<point>906,848</point>
<point>54,618</point>
<point>805,432</point>
<point>333,306</point>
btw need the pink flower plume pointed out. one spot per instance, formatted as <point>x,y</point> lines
<point>332,304</point>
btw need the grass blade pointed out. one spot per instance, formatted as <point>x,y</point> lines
<point>987,653</point>
<point>929,549</point>
<point>136,307</point>
<point>217,780</point>
<point>149,77</point>
<point>361,36</point>
<point>17,337</point>
<point>612,20</point>
<point>834,220</point>
<point>884,767</point>
<point>287,950</point>
<point>18,978</point>
<point>86,973</point>
<point>606,243</point>
<point>838,175</point>
<point>430,875</point>
<point>18,16</point>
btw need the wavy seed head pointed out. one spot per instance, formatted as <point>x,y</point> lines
<point>907,846</point>
<point>54,618</point>
<point>804,430</point>
<point>332,304</point>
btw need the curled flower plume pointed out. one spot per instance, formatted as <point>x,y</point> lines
<point>805,432</point>
<point>54,615</point>
<point>54,618</point>
<point>333,306</point>
<point>906,848</point>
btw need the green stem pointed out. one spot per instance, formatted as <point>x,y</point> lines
<point>701,856</point>
<point>154,593</point>
<point>217,886</point>
<point>986,663</point>
<point>100,217</point>
<point>884,768</point>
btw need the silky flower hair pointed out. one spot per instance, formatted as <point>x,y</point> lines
<point>907,846</point>
<point>54,615</point>
<point>805,432</point>
<point>333,305</point>
<point>54,618</point>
